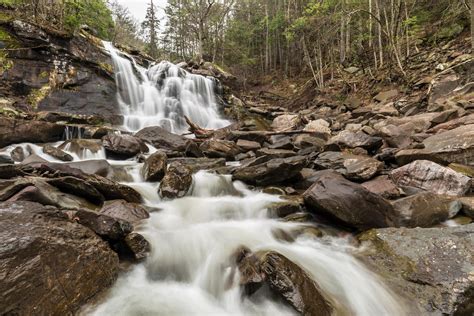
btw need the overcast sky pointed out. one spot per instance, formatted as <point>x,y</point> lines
<point>138,7</point>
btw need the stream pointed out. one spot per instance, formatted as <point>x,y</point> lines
<point>190,270</point>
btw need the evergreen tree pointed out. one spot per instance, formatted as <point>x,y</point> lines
<point>150,27</point>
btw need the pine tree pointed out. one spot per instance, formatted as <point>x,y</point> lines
<point>150,26</point>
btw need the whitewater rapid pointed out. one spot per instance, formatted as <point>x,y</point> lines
<point>163,95</point>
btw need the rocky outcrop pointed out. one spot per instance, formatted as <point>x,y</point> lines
<point>348,139</point>
<point>177,181</point>
<point>429,176</point>
<point>347,202</point>
<point>14,131</point>
<point>432,267</point>
<point>53,72</point>
<point>56,264</point>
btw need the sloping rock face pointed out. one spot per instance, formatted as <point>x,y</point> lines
<point>50,266</point>
<point>431,266</point>
<point>334,196</point>
<point>55,72</point>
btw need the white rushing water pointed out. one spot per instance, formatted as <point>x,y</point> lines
<point>162,95</point>
<point>190,269</point>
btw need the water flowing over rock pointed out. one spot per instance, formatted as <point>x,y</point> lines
<point>51,265</point>
<point>432,267</point>
<point>429,176</point>
<point>163,95</point>
<point>347,202</point>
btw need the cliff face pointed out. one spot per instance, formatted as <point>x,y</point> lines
<point>47,70</point>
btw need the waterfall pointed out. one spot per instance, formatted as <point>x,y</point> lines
<point>162,95</point>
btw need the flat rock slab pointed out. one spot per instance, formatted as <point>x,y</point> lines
<point>431,267</point>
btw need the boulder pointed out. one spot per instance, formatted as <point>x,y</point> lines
<point>120,209</point>
<point>386,95</point>
<point>136,246</point>
<point>286,122</point>
<point>383,186</point>
<point>109,228</point>
<point>456,145</point>
<point>176,182</point>
<point>424,209</point>
<point>217,148</point>
<point>429,176</point>
<point>18,154</point>
<point>319,127</point>
<point>50,265</point>
<point>431,267</point>
<point>255,136</point>
<point>123,146</point>
<point>347,202</point>
<point>304,141</point>
<point>275,153</point>
<point>38,190</point>
<point>247,145</point>
<point>467,203</point>
<point>353,167</point>
<point>57,153</point>
<point>347,139</point>
<point>293,284</point>
<point>203,163</point>
<point>14,131</point>
<point>154,167</point>
<point>270,171</point>
<point>285,208</point>
<point>162,139</point>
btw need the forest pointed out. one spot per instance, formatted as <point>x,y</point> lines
<point>254,38</point>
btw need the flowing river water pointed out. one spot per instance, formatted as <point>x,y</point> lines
<point>190,270</point>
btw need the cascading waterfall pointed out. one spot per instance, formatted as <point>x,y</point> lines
<point>162,95</point>
<point>190,270</point>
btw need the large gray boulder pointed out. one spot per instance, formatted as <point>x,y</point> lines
<point>154,167</point>
<point>429,176</point>
<point>431,267</point>
<point>177,181</point>
<point>50,265</point>
<point>347,202</point>
<point>123,146</point>
<point>353,167</point>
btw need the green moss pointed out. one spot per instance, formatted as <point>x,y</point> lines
<point>44,74</point>
<point>107,67</point>
<point>5,63</point>
<point>7,39</point>
<point>37,95</point>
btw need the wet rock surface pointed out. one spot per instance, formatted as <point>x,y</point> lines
<point>57,264</point>
<point>176,182</point>
<point>430,266</point>
<point>347,202</point>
